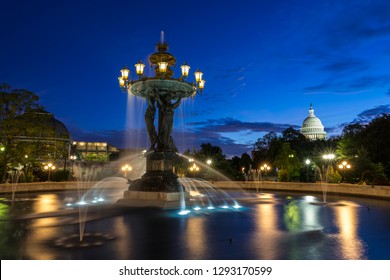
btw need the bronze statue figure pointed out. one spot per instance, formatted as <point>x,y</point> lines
<point>149,121</point>
<point>162,139</point>
<point>166,122</point>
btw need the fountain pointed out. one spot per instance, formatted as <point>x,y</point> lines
<point>159,186</point>
<point>90,200</point>
<point>324,178</point>
<point>14,176</point>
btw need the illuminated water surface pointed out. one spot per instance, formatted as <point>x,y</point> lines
<point>274,226</point>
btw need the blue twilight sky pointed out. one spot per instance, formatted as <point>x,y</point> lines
<point>264,62</point>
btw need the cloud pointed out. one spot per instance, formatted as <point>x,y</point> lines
<point>370,81</point>
<point>363,118</point>
<point>346,65</point>
<point>367,21</point>
<point>370,114</point>
<point>235,137</point>
<point>355,85</point>
<point>233,125</point>
<point>349,36</point>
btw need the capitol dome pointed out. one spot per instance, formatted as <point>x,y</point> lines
<point>312,127</point>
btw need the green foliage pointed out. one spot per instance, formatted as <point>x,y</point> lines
<point>333,175</point>
<point>95,157</point>
<point>60,175</point>
<point>13,104</point>
<point>220,168</point>
<point>245,162</point>
<point>366,147</point>
<point>266,148</point>
<point>288,161</point>
<point>283,175</point>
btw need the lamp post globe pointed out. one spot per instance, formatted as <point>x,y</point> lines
<point>344,166</point>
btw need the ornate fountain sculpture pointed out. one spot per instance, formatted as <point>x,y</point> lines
<point>159,186</point>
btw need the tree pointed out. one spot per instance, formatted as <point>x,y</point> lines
<point>13,104</point>
<point>366,146</point>
<point>298,142</point>
<point>376,138</point>
<point>333,175</point>
<point>236,171</point>
<point>219,169</point>
<point>246,164</point>
<point>288,163</point>
<point>266,148</point>
<point>351,141</point>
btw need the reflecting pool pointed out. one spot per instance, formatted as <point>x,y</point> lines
<point>272,226</point>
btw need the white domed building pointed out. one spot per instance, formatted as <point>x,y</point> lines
<point>312,127</point>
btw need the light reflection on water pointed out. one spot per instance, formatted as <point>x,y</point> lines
<point>277,226</point>
<point>266,233</point>
<point>196,237</point>
<point>43,203</point>
<point>347,220</point>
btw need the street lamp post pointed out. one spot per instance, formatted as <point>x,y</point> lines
<point>264,168</point>
<point>49,167</point>
<point>307,162</point>
<point>344,166</point>
<point>209,173</point>
<point>72,159</point>
<point>194,168</point>
<point>126,168</point>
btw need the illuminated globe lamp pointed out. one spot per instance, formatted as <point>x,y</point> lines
<point>194,168</point>
<point>264,168</point>
<point>49,167</point>
<point>159,186</point>
<point>344,166</point>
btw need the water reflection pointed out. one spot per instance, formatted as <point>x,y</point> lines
<point>266,231</point>
<point>292,218</point>
<point>36,238</point>
<point>195,237</point>
<point>124,233</point>
<point>347,220</point>
<point>311,219</point>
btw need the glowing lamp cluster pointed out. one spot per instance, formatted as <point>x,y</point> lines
<point>49,167</point>
<point>265,167</point>
<point>194,167</point>
<point>345,165</point>
<point>162,61</point>
<point>127,168</point>
<point>162,68</point>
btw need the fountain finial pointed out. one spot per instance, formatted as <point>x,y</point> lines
<point>162,46</point>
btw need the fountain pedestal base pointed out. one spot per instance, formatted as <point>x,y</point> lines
<point>165,200</point>
<point>158,187</point>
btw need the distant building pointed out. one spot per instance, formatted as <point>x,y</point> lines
<point>312,127</point>
<point>49,136</point>
<point>95,151</point>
